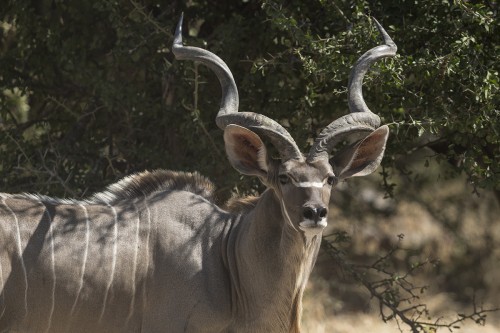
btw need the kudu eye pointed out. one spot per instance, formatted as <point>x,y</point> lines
<point>332,180</point>
<point>284,179</point>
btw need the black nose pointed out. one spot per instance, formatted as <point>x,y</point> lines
<point>315,213</point>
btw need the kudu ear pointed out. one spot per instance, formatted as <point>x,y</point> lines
<point>246,151</point>
<point>362,158</point>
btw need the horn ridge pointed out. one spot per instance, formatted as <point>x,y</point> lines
<point>340,129</point>
<point>228,112</point>
<point>355,83</point>
<point>360,119</point>
<point>230,97</point>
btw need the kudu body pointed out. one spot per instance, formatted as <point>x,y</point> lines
<point>153,253</point>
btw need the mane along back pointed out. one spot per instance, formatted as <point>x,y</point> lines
<point>138,185</point>
<point>241,204</point>
<point>148,182</point>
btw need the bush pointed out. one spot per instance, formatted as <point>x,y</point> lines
<point>90,91</point>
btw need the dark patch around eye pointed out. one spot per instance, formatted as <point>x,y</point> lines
<point>283,179</point>
<point>332,180</point>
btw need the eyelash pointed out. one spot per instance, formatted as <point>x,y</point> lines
<point>283,179</point>
<point>332,180</point>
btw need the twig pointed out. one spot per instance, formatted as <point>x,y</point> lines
<point>148,18</point>
<point>390,291</point>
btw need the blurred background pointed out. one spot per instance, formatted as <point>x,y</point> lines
<point>436,222</point>
<point>90,92</point>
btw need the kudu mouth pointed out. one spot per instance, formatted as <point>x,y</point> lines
<point>312,228</point>
<point>313,225</point>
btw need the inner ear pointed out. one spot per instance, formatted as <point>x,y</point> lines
<point>363,157</point>
<point>245,150</point>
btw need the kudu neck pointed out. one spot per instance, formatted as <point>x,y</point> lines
<point>273,263</point>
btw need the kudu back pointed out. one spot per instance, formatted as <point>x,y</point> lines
<point>154,253</point>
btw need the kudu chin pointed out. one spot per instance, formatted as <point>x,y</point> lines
<point>154,253</point>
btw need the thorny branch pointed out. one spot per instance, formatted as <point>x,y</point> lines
<point>149,19</point>
<point>398,298</point>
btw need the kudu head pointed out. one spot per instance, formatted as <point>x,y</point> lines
<point>301,183</point>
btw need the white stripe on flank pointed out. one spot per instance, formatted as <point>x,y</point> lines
<point>132,301</point>
<point>20,252</point>
<point>1,289</point>
<point>85,255</point>
<point>113,262</point>
<point>53,264</point>
<point>308,184</point>
<point>144,290</point>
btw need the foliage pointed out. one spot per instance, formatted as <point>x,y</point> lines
<point>90,92</point>
<point>442,91</point>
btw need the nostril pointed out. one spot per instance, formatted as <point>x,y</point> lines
<point>309,213</point>
<point>315,214</point>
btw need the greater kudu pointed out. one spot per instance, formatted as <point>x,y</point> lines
<point>153,253</point>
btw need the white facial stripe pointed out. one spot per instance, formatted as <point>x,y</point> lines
<point>308,184</point>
